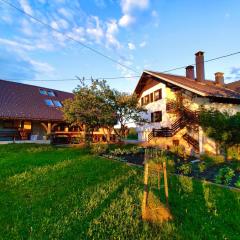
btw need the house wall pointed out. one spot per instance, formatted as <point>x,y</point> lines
<point>159,105</point>
<point>195,103</point>
<point>192,102</point>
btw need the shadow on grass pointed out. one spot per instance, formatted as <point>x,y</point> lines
<point>84,223</point>
<point>205,205</point>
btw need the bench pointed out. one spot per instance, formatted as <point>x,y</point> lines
<point>8,134</point>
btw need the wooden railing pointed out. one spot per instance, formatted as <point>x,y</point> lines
<point>187,116</point>
<point>171,106</point>
<point>190,116</point>
<point>150,136</point>
<point>170,131</point>
<point>190,140</point>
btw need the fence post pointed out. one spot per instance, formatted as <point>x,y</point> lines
<point>165,181</point>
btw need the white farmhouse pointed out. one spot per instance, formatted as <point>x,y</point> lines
<point>173,103</point>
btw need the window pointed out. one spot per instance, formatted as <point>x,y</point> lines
<point>146,99</point>
<point>43,92</point>
<point>51,93</point>
<point>57,103</point>
<point>49,102</point>
<point>151,97</point>
<point>142,101</point>
<point>158,95</point>
<point>156,116</point>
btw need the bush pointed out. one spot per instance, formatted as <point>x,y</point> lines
<point>124,151</point>
<point>179,150</point>
<point>98,148</point>
<point>202,167</point>
<point>185,169</point>
<point>224,176</point>
<point>171,165</point>
<point>237,184</point>
<point>211,159</point>
<point>234,153</point>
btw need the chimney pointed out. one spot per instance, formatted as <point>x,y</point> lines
<point>190,72</point>
<point>219,78</point>
<point>200,66</point>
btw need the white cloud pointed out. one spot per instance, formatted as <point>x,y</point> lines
<point>112,30</point>
<point>41,67</point>
<point>155,17</point>
<point>64,12</point>
<point>142,44</point>
<point>54,25</point>
<point>129,5</point>
<point>126,20</point>
<point>26,7</point>
<point>26,27</point>
<point>7,18</point>
<point>16,45</point>
<point>77,33</point>
<point>154,13</point>
<point>124,71</point>
<point>63,23</point>
<point>94,30</point>
<point>131,46</point>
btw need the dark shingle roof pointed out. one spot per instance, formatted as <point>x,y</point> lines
<point>22,101</point>
<point>206,88</point>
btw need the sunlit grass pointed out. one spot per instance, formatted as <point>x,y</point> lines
<point>57,193</point>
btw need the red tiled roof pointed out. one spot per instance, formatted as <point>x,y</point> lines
<point>234,86</point>
<point>206,88</point>
<point>22,101</point>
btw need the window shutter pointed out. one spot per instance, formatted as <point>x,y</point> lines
<point>151,97</point>
<point>160,93</point>
<point>152,117</point>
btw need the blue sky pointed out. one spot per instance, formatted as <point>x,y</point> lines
<point>142,34</point>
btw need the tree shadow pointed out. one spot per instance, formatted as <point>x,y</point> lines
<point>85,222</point>
<point>207,206</point>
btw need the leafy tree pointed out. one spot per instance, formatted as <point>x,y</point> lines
<point>127,110</point>
<point>98,106</point>
<point>222,127</point>
<point>92,107</point>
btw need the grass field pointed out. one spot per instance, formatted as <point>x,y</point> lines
<point>61,193</point>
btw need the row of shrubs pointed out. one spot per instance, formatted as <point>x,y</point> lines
<point>101,149</point>
<point>224,176</point>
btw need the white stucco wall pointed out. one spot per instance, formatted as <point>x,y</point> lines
<point>191,101</point>
<point>159,105</point>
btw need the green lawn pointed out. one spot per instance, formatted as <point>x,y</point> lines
<point>61,193</point>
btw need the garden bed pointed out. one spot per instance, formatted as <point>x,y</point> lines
<point>212,169</point>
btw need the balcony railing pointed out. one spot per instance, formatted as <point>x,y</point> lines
<point>187,116</point>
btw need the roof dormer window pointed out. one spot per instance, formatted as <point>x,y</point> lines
<point>49,102</point>
<point>57,103</point>
<point>51,93</point>
<point>43,92</point>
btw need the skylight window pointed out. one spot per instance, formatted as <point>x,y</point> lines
<point>43,92</point>
<point>51,93</point>
<point>49,102</point>
<point>57,103</point>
